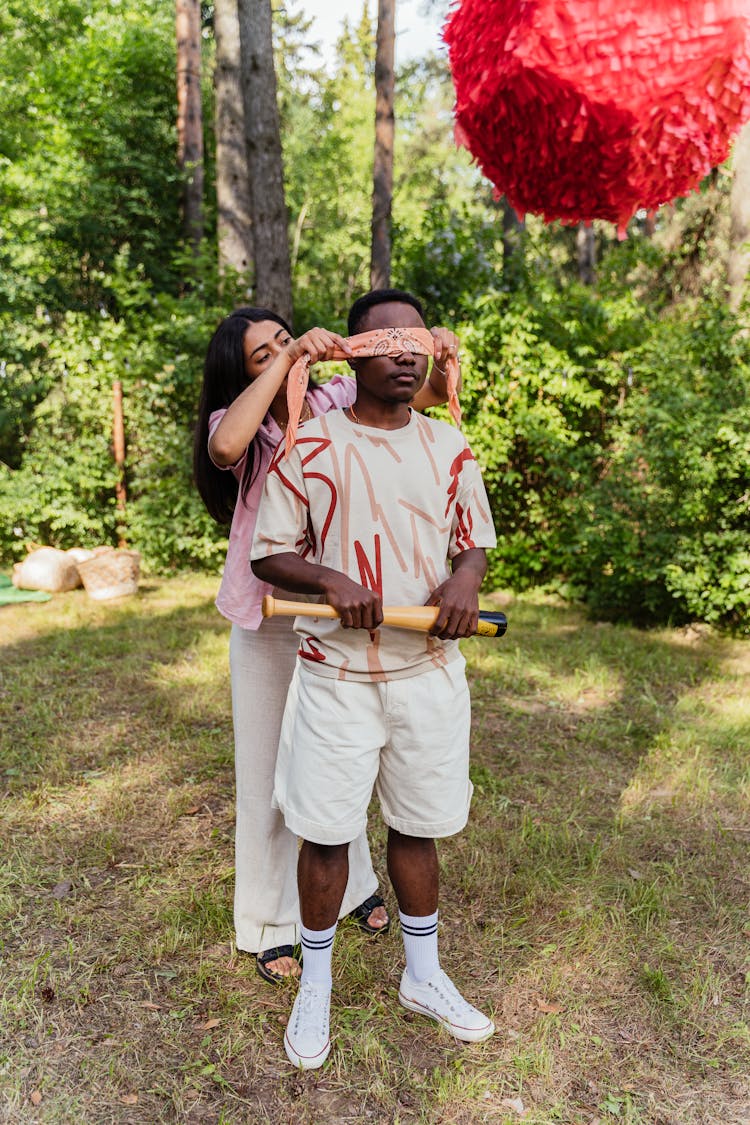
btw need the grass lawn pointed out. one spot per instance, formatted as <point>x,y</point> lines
<point>597,903</point>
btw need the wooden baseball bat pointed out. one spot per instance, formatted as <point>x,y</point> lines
<point>420,617</point>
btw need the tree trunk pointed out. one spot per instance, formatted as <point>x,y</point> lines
<point>513,237</point>
<point>234,226</point>
<point>739,251</point>
<point>273,276</point>
<point>586,246</point>
<point>190,115</point>
<point>382,193</point>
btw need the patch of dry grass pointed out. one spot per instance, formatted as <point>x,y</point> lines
<point>597,902</point>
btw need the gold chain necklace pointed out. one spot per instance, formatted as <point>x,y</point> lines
<point>303,417</point>
<point>355,417</point>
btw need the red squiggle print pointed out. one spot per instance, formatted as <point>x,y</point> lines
<point>317,446</point>
<point>455,472</point>
<point>465,526</point>
<point>369,579</point>
<point>276,467</point>
<point>311,652</point>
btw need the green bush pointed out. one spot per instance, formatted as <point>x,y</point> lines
<point>541,372</point>
<point>63,491</point>
<point>616,448</point>
<point>616,451</point>
<point>664,529</point>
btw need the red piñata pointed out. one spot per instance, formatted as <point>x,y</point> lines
<point>584,109</point>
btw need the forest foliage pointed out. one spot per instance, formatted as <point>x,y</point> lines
<point>611,420</point>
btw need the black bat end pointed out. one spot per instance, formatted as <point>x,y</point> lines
<point>498,619</point>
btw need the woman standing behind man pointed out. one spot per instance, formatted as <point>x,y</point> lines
<point>241,419</point>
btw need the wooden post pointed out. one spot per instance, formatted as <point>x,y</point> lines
<point>118,442</point>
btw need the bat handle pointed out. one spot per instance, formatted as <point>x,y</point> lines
<point>270,607</point>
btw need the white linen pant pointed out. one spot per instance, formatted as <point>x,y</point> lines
<point>266,906</point>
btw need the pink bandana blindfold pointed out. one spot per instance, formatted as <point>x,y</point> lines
<point>382,341</point>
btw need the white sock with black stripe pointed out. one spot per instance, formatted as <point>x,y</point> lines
<point>420,945</point>
<point>317,948</point>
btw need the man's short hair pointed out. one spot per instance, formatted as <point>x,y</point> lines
<point>359,310</point>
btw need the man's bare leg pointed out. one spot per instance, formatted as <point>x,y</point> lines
<point>413,870</point>
<point>322,872</point>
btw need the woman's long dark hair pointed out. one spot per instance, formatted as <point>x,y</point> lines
<point>224,379</point>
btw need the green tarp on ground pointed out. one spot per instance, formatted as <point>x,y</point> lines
<point>9,594</point>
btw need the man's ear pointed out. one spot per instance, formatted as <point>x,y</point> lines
<point>354,364</point>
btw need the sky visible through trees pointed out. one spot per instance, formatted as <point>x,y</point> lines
<point>417,29</point>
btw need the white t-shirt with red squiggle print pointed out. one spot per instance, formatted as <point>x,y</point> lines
<point>388,508</point>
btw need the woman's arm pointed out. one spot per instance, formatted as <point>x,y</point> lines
<point>244,416</point>
<point>434,391</point>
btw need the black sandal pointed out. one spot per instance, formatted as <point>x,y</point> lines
<point>362,912</point>
<point>262,959</point>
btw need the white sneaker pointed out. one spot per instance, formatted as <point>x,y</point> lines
<point>306,1041</point>
<point>439,999</point>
